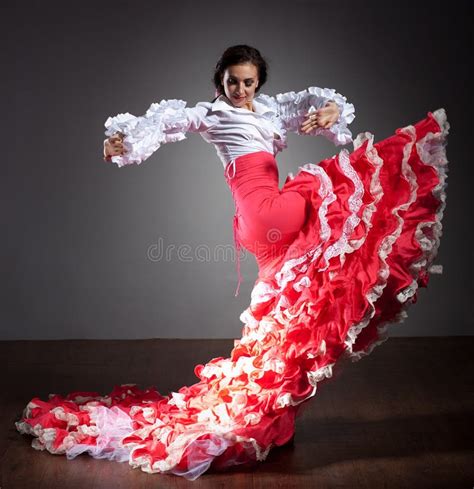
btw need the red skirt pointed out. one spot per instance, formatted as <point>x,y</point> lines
<point>342,249</point>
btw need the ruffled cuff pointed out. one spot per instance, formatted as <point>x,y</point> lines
<point>338,133</point>
<point>293,107</point>
<point>164,122</point>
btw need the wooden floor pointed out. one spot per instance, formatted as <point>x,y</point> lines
<point>400,418</point>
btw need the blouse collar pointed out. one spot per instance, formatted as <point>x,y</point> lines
<point>223,103</point>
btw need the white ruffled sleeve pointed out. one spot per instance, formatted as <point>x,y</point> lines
<point>292,107</point>
<point>164,122</point>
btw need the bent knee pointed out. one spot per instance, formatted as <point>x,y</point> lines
<point>286,213</point>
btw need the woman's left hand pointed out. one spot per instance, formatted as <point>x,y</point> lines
<point>324,118</point>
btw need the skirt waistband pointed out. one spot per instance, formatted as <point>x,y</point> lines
<point>247,161</point>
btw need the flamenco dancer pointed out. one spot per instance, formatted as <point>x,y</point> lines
<point>341,248</point>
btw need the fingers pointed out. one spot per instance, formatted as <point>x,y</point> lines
<point>113,146</point>
<point>117,149</point>
<point>322,118</point>
<point>116,137</point>
<point>313,121</point>
<point>310,124</point>
<point>117,146</point>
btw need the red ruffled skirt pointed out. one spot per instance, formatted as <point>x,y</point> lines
<point>341,248</point>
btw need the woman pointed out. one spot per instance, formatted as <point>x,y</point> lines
<point>341,249</point>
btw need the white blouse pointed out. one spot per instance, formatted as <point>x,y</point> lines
<point>234,131</point>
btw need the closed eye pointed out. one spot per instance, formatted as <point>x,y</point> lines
<point>247,83</point>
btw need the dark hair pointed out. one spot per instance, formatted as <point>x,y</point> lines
<point>238,54</point>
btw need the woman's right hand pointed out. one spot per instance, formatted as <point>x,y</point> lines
<point>113,146</point>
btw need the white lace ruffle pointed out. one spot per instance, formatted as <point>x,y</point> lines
<point>164,122</point>
<point>279,144</point>
<point>293,106</point>
<point>112,426</point>
<point>386,245</point>
<point>431,150</point>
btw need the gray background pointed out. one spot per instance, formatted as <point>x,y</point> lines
<point>77,231</point>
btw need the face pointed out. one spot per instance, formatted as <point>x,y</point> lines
<point>240,82</point>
